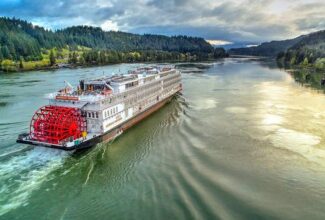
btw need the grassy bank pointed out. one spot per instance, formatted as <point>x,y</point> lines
<point>83,56</point>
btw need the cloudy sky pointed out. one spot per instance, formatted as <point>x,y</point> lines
<point>223,21</point>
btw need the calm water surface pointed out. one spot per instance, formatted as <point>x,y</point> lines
<point>244,141</point>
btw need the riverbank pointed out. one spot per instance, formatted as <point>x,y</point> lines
<point>44,64</point>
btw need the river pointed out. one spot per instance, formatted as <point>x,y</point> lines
<point>243,141</point>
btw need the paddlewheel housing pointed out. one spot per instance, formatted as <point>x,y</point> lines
<point>56,124</point>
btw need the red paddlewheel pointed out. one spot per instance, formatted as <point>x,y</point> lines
<point>53,124</point>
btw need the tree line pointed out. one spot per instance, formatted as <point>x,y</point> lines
<point>20,39</point>
<point>309,51</point>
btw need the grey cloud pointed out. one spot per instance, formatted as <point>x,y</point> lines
<point>244,20</point>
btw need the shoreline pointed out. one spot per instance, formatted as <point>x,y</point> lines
<point>74,66</point>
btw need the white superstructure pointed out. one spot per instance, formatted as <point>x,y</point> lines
<point>109,101</point>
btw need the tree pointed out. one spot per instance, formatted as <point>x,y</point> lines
<point>305,62</point>
<point>59,54</point>
<point>82,60</point>
<point>6,52</point>
<point>52,58</point>
<point>1,56</point>
<point>73,58</point>
<point>8,65</point>
<point>219,53</point>
<point>102,57</point>
<point>21,65</point>
<point>12,50</point>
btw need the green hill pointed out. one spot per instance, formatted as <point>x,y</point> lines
<point>309,51</point>
<point>305,50</point>
<point>96,38</point>
<point>20,38</point>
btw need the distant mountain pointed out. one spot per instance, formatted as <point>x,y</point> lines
<point>21,39</point>
<point>306,50</point>
<point>268,49</point>
<point>236,45</point>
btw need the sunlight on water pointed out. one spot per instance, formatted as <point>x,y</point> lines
<point>299,142</point>
<point>292,111</point>
<point>236,110</point>
<point>272,119</point>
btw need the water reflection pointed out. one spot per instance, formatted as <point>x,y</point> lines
<point>306,76</point>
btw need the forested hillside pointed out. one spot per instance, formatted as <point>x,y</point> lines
<point>33,46</point>
<point>96,38</point>
<point>310,50</point>
<point>305,50</point>
<point>268,49</point>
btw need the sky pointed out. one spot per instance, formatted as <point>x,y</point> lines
<point>220,21</point>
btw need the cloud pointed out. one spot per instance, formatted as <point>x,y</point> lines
<point>219,42</point>
<point>228,20</point>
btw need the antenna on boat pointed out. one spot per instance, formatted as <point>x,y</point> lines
<point>68,84</point>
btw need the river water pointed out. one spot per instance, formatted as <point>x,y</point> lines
<point>243,141</point>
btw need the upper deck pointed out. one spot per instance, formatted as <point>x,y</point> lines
<point>107,86</point>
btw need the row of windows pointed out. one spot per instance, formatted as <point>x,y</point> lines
<point>143,93</point>
<point>137,93</point>
<point>171,78</point>
<point>131,84</point>
<point>110,112</point>
<point>150,78</point>
<point>92,114</point>
<point>171,83</point>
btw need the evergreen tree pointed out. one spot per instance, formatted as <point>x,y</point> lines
<point>12,50</point>
<point>74,57</point>
<point>21,65</point>
<point>102,57</point>
<point>81,60</point>
<point>70,58</point>
<point>305,62</point>
<point>52,58</point>
<point>6,52</point>
<point>1,56</point>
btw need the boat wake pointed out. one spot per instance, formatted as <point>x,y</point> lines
<point>21,174</point>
